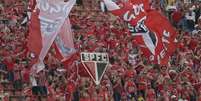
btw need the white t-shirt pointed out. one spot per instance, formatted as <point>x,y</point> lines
<point>190,16</point>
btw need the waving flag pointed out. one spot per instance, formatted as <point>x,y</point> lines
<point>165,33</point>
<point>35,39</point>
<point>156,41</point>
<point>50,19</point>
<point>130,12</point>
<point>145,3</point>
<point>64,42</point>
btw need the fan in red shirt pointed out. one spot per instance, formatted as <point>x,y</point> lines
<point>150,95</point>
<point>9,63</point>
<point>70,90</point>
<point>130,88</point>
<point>177,16</point>
<point>26,75</point>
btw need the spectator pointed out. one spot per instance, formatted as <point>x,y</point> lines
<point>128,77</point>
<point>176,17</point>
<point>190,19</point>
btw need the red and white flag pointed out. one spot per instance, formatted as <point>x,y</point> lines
<point>129,12</point>
<point>34,38</point>
<point>152,32</point>
<point>159,41</point>
<point>46,23</point>
<point>156,42</point>
<point>64,42</point>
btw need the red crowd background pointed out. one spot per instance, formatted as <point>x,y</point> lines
<point>97,31</point>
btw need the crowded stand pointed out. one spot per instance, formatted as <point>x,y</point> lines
<point>129,75</point>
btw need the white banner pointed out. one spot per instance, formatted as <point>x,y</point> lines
<point>52,15</point>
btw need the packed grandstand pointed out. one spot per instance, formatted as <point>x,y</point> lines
<point>33,68</point>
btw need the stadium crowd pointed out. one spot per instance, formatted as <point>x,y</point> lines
<point>97,31</point>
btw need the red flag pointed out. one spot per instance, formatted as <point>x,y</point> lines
<point>146,3</point>
<point>159,43</point>
<point>131,12</point>
<point>31,5</point>
<point>156,41</point>
<point>167,35</point>
<point>34,38</point>
<point>153,32</point>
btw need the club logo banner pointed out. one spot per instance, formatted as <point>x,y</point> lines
<point>95,64</point>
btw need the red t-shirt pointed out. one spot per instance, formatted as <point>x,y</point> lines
<point>176,16</point>
<point>10,65</point>
<point>142,83</point>
<point>130,73</point>
<point>26,76</point>
<point>70,88</point>
<point>193,44</point>
<point>6,98</point>
<point>151,95</point>
<point>131,87</point>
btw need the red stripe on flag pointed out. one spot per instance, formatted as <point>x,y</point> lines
<point>34,39</point>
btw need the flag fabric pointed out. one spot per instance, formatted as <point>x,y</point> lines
<point>131,11</point>
<point>165,36</point>
<point>31,5</point>
<point>34,38</point>
<point>156,42</point>
<point>145,3</point>
<point>102,6</point>
<point>64,42</point>
<point>49,21</point>
<point>30,8</point>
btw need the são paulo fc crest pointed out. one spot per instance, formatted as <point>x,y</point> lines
<point>95,64</point>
